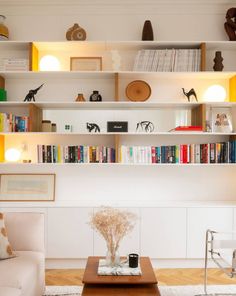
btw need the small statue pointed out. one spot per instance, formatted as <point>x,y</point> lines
<point>190,93</point>
<point>32,93</point>
<point>93,127</point>
<point>146,126</point>
<point>230,24</point>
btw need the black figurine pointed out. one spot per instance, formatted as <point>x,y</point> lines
<point>146,126</point>
<point>93,127</point>
<point>190,93</point>
<point>32,93</point>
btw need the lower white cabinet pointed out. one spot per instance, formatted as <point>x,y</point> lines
<point>201,219</point>
<point>163,232</point>
<point>69,235</point>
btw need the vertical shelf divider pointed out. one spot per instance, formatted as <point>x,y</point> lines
<point>35,118</point>
<point>198,116</point>
<point>203,56</point>
<point>117,94</point>
<point>33,57</point>
<point>232,89</point>
<point>117,148</point>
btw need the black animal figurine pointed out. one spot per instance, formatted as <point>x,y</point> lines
<point>32,93</point>
<point>93,127</point>
<point>146,126</point>
<point>190,93</point>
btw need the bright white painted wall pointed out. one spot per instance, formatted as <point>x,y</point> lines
<point>139,187</point>
<point>116,19</point>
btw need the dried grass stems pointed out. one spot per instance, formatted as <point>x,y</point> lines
<point>113,225</point>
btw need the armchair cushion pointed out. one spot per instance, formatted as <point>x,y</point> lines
<point>5,247</point>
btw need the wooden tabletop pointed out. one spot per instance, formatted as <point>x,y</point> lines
<point>91,277</point>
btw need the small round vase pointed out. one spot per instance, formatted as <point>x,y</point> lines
<point>112,260</point>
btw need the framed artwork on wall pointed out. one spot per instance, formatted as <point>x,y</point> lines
<point>86,64</point>
<point>27,187</point>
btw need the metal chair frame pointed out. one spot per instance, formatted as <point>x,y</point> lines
<point>216,257</point>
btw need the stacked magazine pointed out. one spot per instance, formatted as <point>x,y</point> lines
<point>168,60</point>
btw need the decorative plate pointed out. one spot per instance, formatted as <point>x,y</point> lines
<point>138,91</point>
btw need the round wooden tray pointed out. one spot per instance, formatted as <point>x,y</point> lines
<point>138,91</point>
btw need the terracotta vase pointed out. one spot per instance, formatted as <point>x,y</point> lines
<point>147,34</point>
<point>218,65</point>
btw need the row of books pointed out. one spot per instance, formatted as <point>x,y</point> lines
<point>75,154</point>
<point>14,64</point>
<point>168,60</point>
<point>12,123</point>
<point>224,152</point>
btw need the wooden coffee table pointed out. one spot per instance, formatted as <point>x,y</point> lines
<point>102,285</point>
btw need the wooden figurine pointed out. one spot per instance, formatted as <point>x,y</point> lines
<point>32,93</point>
<point>230,24</point>
<point>218,65</point>
<point>190,93</point>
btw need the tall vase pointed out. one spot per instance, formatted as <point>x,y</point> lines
<point>147,34</point>
<point>218,65</point>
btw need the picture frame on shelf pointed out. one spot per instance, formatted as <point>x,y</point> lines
<point>27,187</point>
<point>86,64</point>
<point>221,120</point>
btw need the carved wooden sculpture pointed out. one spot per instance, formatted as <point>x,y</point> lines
<point>230,24</point>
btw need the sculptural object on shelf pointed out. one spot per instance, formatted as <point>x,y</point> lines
<point>218,65</point>
<point>93,127</point>
<point>190,93</point>
<point>146,126</point>
<point>80,98</point>
<point>147,34</point>
<point>230,24</point>
<point>30,96</point>
<point>76,33</point>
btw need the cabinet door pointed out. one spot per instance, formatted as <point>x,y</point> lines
<point>201,219</point>
<point>130,243</point>
<point>69,235</point>
<point>163,232</point>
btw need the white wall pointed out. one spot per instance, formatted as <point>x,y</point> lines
<point>116,19</point>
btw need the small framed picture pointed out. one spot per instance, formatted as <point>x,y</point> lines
<point>222,120</point>
<point>86,64</point>
<point>27,187</point>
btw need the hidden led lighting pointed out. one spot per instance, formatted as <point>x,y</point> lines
<point>215,93</point>
<point>12,155</point>
<point>49,63</point>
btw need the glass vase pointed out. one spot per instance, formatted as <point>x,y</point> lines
<point>112,258</point>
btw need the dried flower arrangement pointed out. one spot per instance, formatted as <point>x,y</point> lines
<point>113,225</point>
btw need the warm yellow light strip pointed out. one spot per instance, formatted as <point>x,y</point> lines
<point>232,89</point>
<point>2,148</point>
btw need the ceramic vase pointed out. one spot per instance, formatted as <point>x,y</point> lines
<point>147,34</point>
<point>218,65</point>
<point>4,33</point>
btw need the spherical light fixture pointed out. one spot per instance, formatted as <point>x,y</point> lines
<point>215,93</point>
<point>49,63</point>
<point>12,155</point>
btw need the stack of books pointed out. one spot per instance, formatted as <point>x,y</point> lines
<point>224,152</point>
<point>14,64</point>
<point>12,123</point>
<point>168,60</point>
<point>75,154</point>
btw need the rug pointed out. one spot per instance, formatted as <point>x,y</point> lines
<point>164,290</point>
